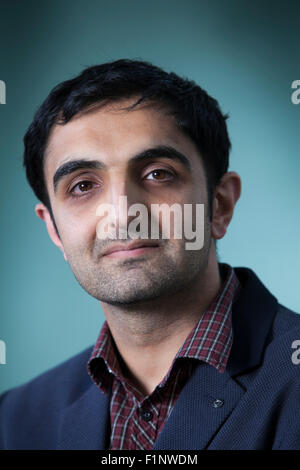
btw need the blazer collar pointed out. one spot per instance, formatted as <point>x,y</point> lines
<point>253,313</point>
<point>209,397</point>
<point>204,404</point>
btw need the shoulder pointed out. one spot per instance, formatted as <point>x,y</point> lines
<point>43,398</point>
<point>60,381</point>
<point>282,368</point>
<point>285,320</point>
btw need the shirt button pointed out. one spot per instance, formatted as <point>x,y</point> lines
<point>147,415</point>
<point>218,403</point>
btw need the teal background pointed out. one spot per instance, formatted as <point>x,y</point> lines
<point>246,54</point>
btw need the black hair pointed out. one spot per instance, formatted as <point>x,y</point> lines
<point>197,114</point>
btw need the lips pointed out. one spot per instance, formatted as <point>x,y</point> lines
<point>129,247</point>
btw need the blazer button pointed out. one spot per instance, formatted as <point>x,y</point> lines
<point>147,415</point>
<point>218,403</point>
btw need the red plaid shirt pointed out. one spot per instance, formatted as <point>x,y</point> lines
<point>136,420</point>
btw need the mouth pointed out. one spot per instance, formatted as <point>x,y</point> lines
<point>133,250</point>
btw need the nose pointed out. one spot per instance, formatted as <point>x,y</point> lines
<point>121,194</point>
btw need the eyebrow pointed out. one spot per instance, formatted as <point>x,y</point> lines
<point>160,151</point>
<point>75,165</point>
<point>163,151</point>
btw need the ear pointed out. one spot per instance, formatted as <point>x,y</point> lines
<point>226,195</point>
<point>43,213</point>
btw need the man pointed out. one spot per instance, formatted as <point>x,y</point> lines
<point>194,354</point>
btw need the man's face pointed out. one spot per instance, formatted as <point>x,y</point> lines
<point>106,149</point>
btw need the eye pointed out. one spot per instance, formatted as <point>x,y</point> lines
<point>160,175</point>
<point>82,187</point>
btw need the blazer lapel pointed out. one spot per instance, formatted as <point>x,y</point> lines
<point>209,397</point>
<point>202,407</point>
<point>85,423</point>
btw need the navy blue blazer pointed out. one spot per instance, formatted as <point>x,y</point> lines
<point>258,394</point>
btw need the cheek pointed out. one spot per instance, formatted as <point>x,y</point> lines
<point>76,232</point>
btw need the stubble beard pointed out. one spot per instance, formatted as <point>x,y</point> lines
<point>128,282</point>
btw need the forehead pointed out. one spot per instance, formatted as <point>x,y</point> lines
<point>113,134</point>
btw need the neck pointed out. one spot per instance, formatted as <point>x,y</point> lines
<point>148,335</point>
